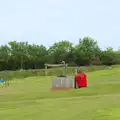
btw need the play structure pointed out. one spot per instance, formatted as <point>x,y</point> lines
<point>80,79</point>
<point>63,65</point>
<point>64,82</point>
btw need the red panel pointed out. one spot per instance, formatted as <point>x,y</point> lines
<point>81,80</point>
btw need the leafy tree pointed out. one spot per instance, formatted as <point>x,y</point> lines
<point>86,50</point>
<point>22,55</point>
<point>60,51</point>
<point>37,55</point>
<point>4,56</point>
<point>18,53</point>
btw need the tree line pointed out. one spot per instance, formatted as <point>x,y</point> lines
<point>22,55</point>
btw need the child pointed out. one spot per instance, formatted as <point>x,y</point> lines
<point>2,82</point>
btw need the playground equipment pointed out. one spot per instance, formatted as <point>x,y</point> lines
<point>64,82</point>
<point>63,65</point>
<point>80,79</point>
<point>69,82</point>
<point>61,82</point>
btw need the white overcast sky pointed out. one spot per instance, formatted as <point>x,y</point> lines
<point>48,21</point>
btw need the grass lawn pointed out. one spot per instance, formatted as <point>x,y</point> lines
<point>32,99</point>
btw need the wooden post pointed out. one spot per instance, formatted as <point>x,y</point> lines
<point>65,69</point>
<point>45,70</point>
<point>75,83</point>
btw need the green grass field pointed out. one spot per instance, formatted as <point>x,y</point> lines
<point>32,99</point>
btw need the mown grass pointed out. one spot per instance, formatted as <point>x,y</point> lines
<point>32,99</point>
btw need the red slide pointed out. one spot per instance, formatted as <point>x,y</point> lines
<point>81,79</point>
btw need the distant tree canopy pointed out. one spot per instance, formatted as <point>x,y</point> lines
<point>22,55</point>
